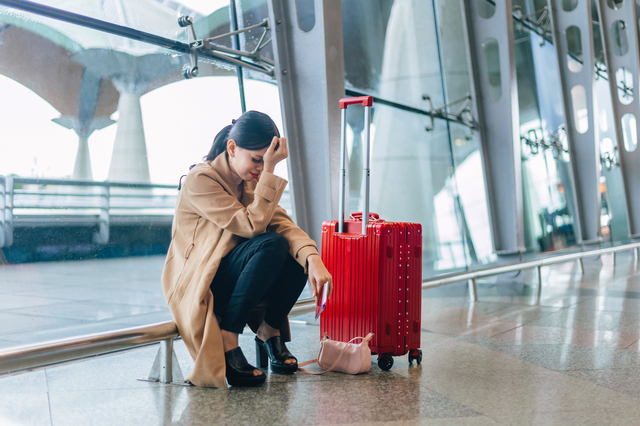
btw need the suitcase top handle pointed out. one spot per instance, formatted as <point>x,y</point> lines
<point>358,216</point>
<point>367,102</point>
<point>364,100</point>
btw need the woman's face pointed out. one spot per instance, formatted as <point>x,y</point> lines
<point>245,164</point>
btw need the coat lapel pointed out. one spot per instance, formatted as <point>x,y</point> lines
<point>221,166</point>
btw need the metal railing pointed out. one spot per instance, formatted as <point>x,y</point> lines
<point>26,357</point>
<point>473,276</point>
<point>166,368</point>
<point>308,305</point>
<point>30,202</point>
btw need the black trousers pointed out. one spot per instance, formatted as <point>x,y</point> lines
<point>257,270</point>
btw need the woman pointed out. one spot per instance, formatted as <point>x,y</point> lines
<point>237,258</point>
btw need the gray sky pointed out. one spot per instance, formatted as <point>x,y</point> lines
<point>180,122</point>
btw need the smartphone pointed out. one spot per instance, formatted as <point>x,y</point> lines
<point>323,302</point>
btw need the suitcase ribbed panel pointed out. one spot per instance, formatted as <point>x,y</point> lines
<point>377,284</point>
<point>413,324</point>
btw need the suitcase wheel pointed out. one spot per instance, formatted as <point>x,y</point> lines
<point>415,354</point>
<point>385,362</point>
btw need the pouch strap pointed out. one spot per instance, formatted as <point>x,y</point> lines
<point>304,370</point>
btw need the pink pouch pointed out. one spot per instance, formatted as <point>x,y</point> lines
<point>350,358</point>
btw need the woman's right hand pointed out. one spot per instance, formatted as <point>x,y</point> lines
<point>277,152</point>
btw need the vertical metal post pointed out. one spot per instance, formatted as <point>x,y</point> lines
<point>2,209</point>
<point>577,91</point>
<point>343,168</point>
<point>495,101</point>
<point>235,43</point>
<point>619,27</point>
<point>166,368</point>
<point>102,236</point>
<point>614,258</point>
<point>366,177</point>
<point>637,255</point>
<point>581,260</point>
<point>8,211</point>
<point>309,67</point>
<point>473,290</point>
<point>539,283</point>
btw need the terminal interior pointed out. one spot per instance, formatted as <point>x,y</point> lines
<point>507,129</point>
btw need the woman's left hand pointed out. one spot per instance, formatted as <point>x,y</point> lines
<point>318,277</point>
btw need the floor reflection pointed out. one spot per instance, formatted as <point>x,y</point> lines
<point>53,300</point>
<point>572,357</point>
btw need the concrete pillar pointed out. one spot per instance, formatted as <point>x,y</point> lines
<point>82,168</point>
<point>129,162</point>
<point>494,89</point>
<point>573,29</point>
<point>619,32</point>
<point>310,74</point>
<point>83,128</point>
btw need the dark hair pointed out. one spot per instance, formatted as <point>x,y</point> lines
<point>253,130</point>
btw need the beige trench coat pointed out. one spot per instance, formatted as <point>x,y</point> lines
<point>209,222</point>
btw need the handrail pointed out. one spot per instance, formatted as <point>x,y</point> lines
<point>472,276</point>
<point>43,354</point>
<point>69,182</point>
<point>307,305</point>
<point>30,356</point>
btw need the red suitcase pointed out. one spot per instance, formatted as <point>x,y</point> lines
<point>377,272</point>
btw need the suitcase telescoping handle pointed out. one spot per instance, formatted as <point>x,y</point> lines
<point>367,102</point>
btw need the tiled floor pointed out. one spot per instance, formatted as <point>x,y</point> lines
<point>572,358</point>
<point>46,301</point>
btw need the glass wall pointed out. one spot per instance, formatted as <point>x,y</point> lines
<point>95,132</point>
<point>421,171</point>
<point>464,142</point>
<point>614,217</point>
<point>548,188</point>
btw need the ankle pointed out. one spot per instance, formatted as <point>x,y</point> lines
<point>266,332</point>
<point>229,340</point>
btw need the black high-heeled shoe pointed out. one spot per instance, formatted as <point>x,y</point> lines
<point>275,351</point>
<point>239,371</point>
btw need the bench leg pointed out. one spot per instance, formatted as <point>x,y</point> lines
<point>473,290</point>
<point>166,368</point>
<point>539,295</point>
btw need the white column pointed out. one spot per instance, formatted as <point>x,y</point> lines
<point>129,161</point>
<point>82,168</point>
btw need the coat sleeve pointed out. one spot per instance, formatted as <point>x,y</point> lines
<point>300,245</point>
<point>206,197</point>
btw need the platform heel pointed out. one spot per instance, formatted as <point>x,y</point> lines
<point>239,372</point>
<point>262,358</point>
<point>276,351</point>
